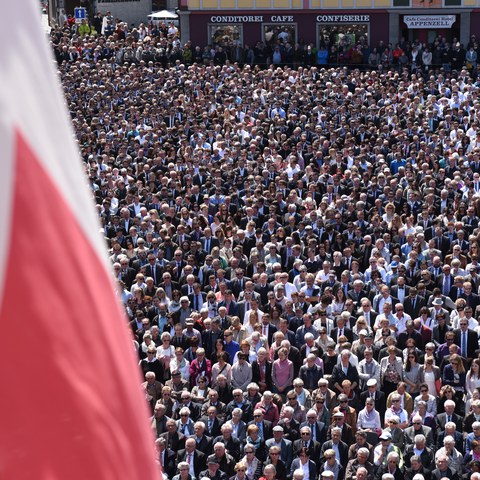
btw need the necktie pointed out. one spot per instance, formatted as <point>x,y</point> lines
<point>207,246</point>
<point>189,459</point>
<point>312,428</point>
<point>247,306</point>
<point>264,330</point>
<point>449,418</point>
<point>464,344</point>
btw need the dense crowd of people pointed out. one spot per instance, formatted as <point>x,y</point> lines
<point>297,254</point>
<point>160,42</point>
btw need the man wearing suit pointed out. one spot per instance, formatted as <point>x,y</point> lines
<point>466,339</point>
<point>400,290</point>
<point>338,420</point>
<point>341,329</point>
<point>317,428</point>
<point>208,241</point>
<point>383,297</point>
<point>168,285</point>
<point>357,292</point>
<point>175,440</point>
<point>335,443</point>
<point>153,269</point>
<point>268,329</point>
<point>197,298</point>
<point>413,303</point>
<point>418,428</point>
<point>306,441</point>
<point>472,299</point>
<point>229,304</point>
<point>204,443</point>
<point>195,458</point>
<point>232,444</point>
<point>264,426</point>
<point>286,446</point>
<point>449,416</point>
<point>377,395</point>
<point>166,456</point>
<point>344,371</point>
<point>212,423</point>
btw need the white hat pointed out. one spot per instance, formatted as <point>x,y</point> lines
<point>437,301</point>
<point>372,382</point>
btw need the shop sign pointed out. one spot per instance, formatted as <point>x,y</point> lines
<point>343,18</point>
<point>281,18</point>
<point>236,19</point>
<point>429,21</point>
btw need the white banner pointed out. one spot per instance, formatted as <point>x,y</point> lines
<point>429,21</point>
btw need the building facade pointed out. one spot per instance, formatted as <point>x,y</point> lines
<point>227,22</point>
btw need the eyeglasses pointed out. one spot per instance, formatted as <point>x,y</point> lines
<point>395,401</point>
<point>256,416</point>
<point>183,415</point>
<point>344,401</point>
<point>423,390</point>
<point>305,433</point>
<point>274,454</point>
<point>248,451</point>
<point>329,458</point>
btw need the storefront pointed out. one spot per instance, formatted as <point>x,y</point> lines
<point>231,28</point>
<point>426,28</point>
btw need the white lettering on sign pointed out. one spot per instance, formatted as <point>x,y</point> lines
<point>343,18</point>
<point>236,18</point>
<point>281,18</point>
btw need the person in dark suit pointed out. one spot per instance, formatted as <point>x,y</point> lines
<point>335,443</point>
<point>285,446</point>
<point>413,303</point>
<point>305,441</point>
<point>338,421</point>
<point>344,371</point>
<point>175,440</point>
<point>266,382</point>
<point>316,426</point>
<point>449,416</point>
<point>443,470</point>
<point>166,456</point>
<point>302,459</point>
<point>377,395</point>
<point>264,426</point>
<point>212,423</point>
<point>471,337</point>
<point>472,299</point>
<point>204,443</point>
<point>213,471</point>
<point>191,452</point>
<point>341,329</point>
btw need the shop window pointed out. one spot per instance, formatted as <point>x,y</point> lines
<point>343,35</point>
<point>273,34</point>
<point>453,3</point>
<point>225,35</point>
<point>401,3</point>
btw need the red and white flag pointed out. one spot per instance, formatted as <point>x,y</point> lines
<point>70,398</point>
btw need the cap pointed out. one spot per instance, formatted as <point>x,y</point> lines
<point>363,332</point>
<point>278,428</point>
<point>176,374</point>
<point>385,436</point>
<point>437,301</point>
<point>189,321</point>
<point>327,474</point>
<point>371,383</point>
<point>213,460</point>
<point>394,264</point>
<point>338,415</point>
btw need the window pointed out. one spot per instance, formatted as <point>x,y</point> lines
<point>343,35</point>
<point>401,3</point>
<point>274,33</point>
<point>226,34</point>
